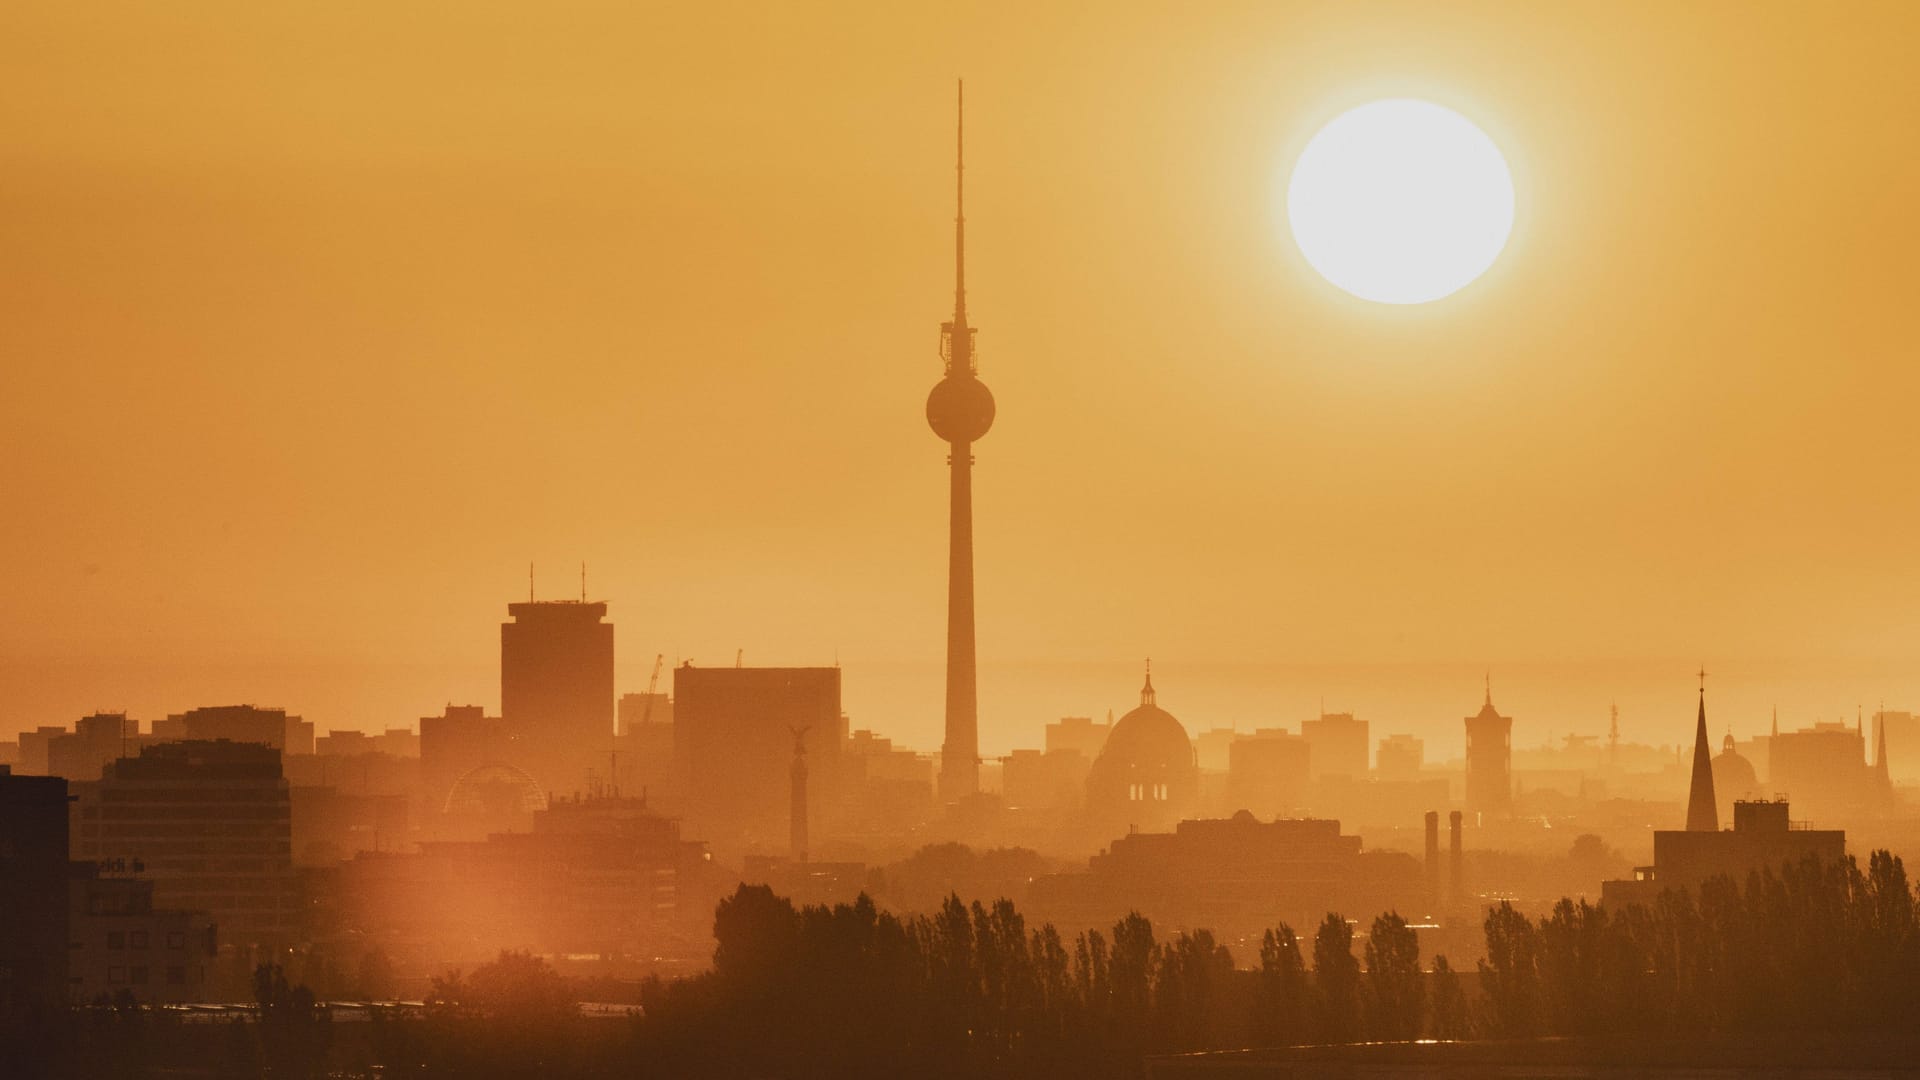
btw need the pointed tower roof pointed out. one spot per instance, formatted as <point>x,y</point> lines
<point>1882,778</point>
<point>1703,814</point>
<point>1146,692</point>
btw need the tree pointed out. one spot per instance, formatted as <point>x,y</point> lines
<point>1449,1004</point>
<point>1508,974</point>
<point>293,1031</point>
<point>1336,980</point>
<point>1395,987</point>
<point>1283,1005</point>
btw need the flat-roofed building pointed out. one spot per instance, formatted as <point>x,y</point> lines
<point>210,823</point>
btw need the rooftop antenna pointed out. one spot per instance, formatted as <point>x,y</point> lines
<point>583,582</point>
<point>529,581</point>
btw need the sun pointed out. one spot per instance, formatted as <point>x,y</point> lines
<point>1400,201</point>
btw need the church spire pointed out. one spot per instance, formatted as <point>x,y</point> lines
<point>1703,814</point>
<point>1882,777</point>
<point>1146,692</point>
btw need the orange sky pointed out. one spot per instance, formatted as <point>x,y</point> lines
<point>318,321</point>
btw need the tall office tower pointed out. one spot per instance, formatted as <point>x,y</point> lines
<point>210,822</point>
<point>556,690</point>
<point>960,410</point>
<point>733,743</point>
<point>1489,759</point>
<point>1339,745</point>
<point>33,892</point>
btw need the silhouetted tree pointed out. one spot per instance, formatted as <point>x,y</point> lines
<point>1508,974</point>
<point>1449,1016</point>
<point>1283,998</point>
<point>1336,980</point>
<point>293,1031</point>
<point>1395,987</point>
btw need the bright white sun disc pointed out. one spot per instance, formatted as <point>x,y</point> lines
<point>1400,201</point>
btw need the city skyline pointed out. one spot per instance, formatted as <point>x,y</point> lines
<point>295,403</point>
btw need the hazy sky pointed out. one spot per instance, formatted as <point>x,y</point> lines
<point>318,321</point>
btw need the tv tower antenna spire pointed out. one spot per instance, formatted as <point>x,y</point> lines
<point>960,411</point>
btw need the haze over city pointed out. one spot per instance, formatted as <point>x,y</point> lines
<point>323,324</point>
<point>1275,541</point>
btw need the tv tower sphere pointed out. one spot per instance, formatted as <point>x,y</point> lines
<point>960,408</point>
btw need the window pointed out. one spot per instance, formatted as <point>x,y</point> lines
<point>116,974</point>
<point>117,939</point>
<point>176,940</point>
<point>139,939</point>
<point>176,975</point>
<point>140,976</point>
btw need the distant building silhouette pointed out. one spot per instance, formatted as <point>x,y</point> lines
<point>1489,784</point>
<point>960,411</point>
<point>455,744</point>
<point>1145,776</point>
<point>211,822</point>
<point>733,740</point>
<point>1340,744</point>
<point>1824,768</point>
<point>1400,757</point>
<point>1236,876</point>
<point>1079,733</point>
<point>1901,733</point>
<point>1734,778</point>
<point>1763,837</point>
<point>33,892</point>
<point>556,689</point>
<point>95,741</point>
<point>241,724</point>
<point>1268,772</point>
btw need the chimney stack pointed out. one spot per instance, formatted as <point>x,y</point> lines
<point>1433,858</point>
<point>1456,892</point>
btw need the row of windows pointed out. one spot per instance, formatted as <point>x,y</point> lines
<point>247,812</point>
<point>138,975</point>
<point>149,848</point>
<point>196,792</point>
<point>139,939</point>
<point>1143,792</point>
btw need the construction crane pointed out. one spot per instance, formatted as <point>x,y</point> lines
<point>653,683</point>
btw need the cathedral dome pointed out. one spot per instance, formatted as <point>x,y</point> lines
<point>1145,776</point>
<point>1733,775</point>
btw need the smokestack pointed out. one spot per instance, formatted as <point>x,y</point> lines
<point>1433,858</point>
<point>1454,887</point>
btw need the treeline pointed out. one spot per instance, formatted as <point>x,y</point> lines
<point>973,991</point>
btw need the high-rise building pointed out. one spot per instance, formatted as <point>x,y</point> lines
<point>1268,772</point>
<point>96,740</point>
<point>1823,768</point>
<point>239,723</point>
<point>33,891</point>
<point>1489,759</point>
<point>960,411</point>
<point>210,822</point>
<point>556,690</point>
<point>1339,745</point>
<point>733,733</point>
<point>1400,757</point>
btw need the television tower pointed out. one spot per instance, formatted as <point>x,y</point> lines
<point>960,410</point>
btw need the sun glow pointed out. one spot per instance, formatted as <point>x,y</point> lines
<point>1400,202</point>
